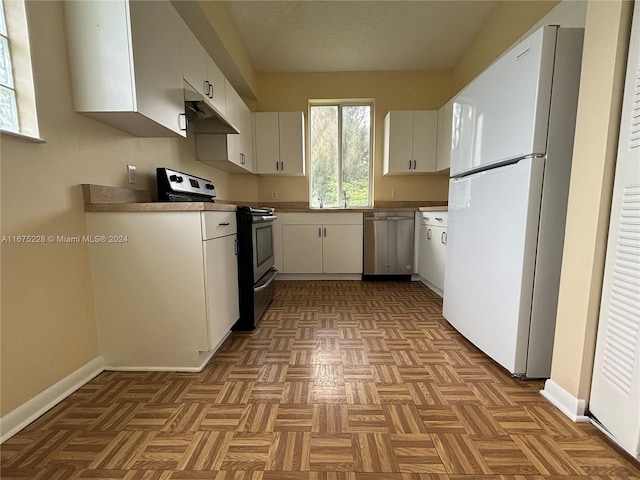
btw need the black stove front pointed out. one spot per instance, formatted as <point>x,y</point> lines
<point>256,270</point>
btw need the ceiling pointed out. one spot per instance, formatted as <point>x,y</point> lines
<point>371,35</point>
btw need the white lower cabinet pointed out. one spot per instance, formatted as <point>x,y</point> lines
<point>316,243</point>
<point>432,249</point>
<point>165,289</point>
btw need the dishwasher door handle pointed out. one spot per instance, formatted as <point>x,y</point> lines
<point>376,219</point>
<point>395,219</point>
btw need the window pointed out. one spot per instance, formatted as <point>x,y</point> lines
<point>8,102</point>
<point>340,149</point>
<point>18,114</point>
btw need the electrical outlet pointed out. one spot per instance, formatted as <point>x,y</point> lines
<point>394,193</point>
<point>131,172</point>
<point>273,195</point>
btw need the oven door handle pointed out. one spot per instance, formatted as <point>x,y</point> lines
<point>264,218</point>
<point>272,276</point>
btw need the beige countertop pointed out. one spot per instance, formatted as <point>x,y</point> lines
<point>99,198</point>
<point>159,207</point>
<point>441,208</point>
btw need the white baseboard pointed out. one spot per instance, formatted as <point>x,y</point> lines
<point>20,417</point>
<point>572,407</point>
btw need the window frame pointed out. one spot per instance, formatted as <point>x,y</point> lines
<point>361,102</point>
<point>16,18</point>
<point>11,85</point>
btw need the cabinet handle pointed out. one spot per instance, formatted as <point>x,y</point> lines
<point>235,245</point>
<point>429,234</point>
<point>439,219</point>
<point>409,164</point>
<point>443,238</point>
<point>414,164</point>
<point>211,91</point>
<point>206,87</point>
<point>320,232</point>
<point>282,165</point>
<point>325,231</point>
<point>242,159</point>
<point>224,224</point>
<point>278,166</point>
<point>182,122</point>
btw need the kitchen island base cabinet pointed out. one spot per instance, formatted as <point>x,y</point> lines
<point>166,292</point>
<point>322,243</point>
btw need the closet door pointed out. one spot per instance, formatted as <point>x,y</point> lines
<point>615,392</point>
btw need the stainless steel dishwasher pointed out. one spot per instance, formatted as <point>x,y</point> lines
<point>388,244</point>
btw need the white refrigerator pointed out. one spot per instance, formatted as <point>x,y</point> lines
<point>512,145</point>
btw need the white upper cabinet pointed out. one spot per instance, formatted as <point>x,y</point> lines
<point>279,143</point>
<point>445,119</point>
<point>126,65</point>
<point>231,152</point>
<point>200,71</point>
<point>410,138</point>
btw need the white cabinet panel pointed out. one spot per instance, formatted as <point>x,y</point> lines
<point>410,139</point>
<point>126,65</point>
<point>445,119</point>
<point>166,295</point>
<point>221,270</point>
<point>321,243</point>
<point>201,72</point>
<point>279,143</point>
<point>432,249</point>
<point>232,152</point>
<point>302,248</point>
<point>342,249</point>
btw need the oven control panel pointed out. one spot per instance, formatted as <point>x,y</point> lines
<point>172,181</point>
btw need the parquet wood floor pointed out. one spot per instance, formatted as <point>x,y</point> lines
<point>341,381</point>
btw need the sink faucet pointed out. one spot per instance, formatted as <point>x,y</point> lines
<point>320,200</point>
<point>344,196</point>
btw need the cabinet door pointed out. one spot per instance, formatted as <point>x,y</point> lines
<point>247,138</point>
<point>234,116</point>
<point>425,139</point>
<point>342,249</point>
<point>423,243</point>
<point>157,58</point>
<point>439,245</point>
<point>430,269</point>
<point>302,248</point>
<point>216,87</point>
<point>221,270</point>
<point>267,142</point>
<point>194,65</point>
<point>291,126</point>
<point>445,119</point>
<point>398,142</point>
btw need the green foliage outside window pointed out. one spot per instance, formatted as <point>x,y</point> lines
<point>340,155</point>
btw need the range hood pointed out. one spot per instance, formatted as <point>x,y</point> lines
<point>203,116</point>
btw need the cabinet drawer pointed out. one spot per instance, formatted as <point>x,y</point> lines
<point>218,224</point>
<point>437,218</point>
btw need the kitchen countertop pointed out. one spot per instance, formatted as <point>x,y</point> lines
<point>441,208</point>
<point>383,206</point>
<point>100,198</point>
